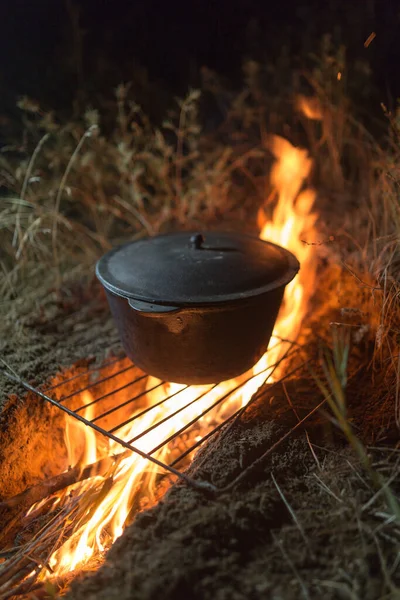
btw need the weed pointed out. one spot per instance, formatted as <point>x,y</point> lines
<point>334,365</point>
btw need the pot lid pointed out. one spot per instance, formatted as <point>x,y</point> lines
<point>184,269</point>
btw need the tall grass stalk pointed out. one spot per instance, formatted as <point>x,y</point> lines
<point>88,133</point>
<point>334,364</point>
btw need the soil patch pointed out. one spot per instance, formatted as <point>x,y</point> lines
<point>294,528</point>
<point>40,340</point>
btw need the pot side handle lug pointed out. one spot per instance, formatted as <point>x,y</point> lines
<point>148,307</point>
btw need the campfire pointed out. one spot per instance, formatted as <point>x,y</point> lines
<point>121,442</point>
<point>127,435</point>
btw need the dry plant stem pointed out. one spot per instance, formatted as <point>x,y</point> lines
<point>397,402</point>
<point>39,550</point>
<point>291,512</point>
<point>270,450</point>
<point>137,216</point>
<point>50,486</point>
<point>79,510</point>
<point>63,183</point>
<point>179,198</point>
<point>17,230</point>
<point>20,565</point>
<point>305,430</point>
<point>292,568</point>
<point>22,588</point>
<point>362,283</point>
<point>28,233</point>
<point>335,368</point>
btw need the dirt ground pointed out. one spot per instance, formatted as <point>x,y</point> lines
<point>305,522</point>
<point>41,337</point>
<point>294,528</point>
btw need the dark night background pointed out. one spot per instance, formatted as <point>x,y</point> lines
<point>49,51</point>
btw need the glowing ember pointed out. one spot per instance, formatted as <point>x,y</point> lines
<point>310,108</point>
<point>104,521</point>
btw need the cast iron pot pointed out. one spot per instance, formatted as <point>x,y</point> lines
<point>196,309</point>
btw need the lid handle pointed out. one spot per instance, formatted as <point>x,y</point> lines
<point>149,307</point>
<point>197,241</point>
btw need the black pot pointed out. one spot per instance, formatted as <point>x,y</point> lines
<point>193,310</point>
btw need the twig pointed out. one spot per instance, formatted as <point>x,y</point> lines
<point>363,283</point>
<point>291,511</point>
<point>293,568</point>
<point>272,449</point>
<point>288,398</point>
<point>88,133</point>
<point>48,487</point>
<point>327,489</point>
<point>14,570</point>
<point>17,230</point>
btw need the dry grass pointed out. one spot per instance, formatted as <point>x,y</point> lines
<point>80,190</point>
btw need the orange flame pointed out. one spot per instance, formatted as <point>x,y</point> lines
<point>291,218</point>
<point>81,443</point>
<point>310,107</point>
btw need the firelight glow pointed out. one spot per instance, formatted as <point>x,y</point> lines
<point>291,218</point>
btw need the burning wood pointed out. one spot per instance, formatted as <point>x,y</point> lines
<point>74,475</point>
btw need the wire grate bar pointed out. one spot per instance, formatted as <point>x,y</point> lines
<point>256,396</point>
<point>90,369</point>
<point>104,379</point>
<point>123,387</point>
<point>168,417</point>
<point>202,485</point>
<point>97,382</point>
<point>210,398</point>
<point>206,437</point>
<point>137,397</point>
<point>146,410</point>
<point>271,368</point>
<point>188,425</point>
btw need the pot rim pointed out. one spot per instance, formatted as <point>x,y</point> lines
<point>288,275</point>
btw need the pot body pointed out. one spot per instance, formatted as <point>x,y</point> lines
<point>198,345</point>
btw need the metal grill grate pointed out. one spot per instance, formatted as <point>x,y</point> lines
<point>123,408</point>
